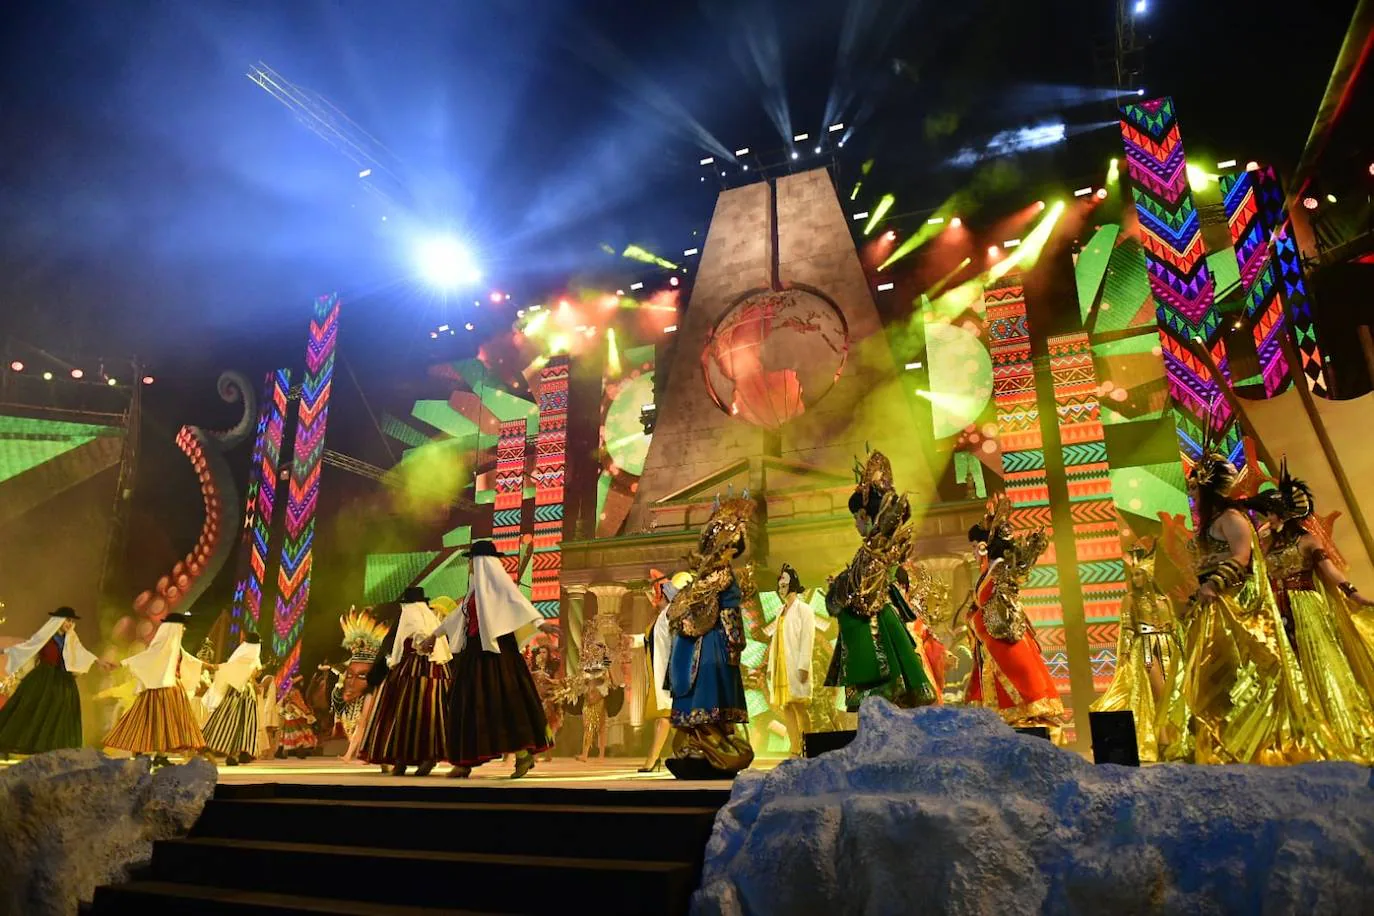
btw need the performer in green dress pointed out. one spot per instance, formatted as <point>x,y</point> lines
<point>875,654</point>
<point>44,713</point>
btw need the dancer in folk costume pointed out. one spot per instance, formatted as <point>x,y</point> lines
<point>875,655</point>
<point>409,725</point>
<point>352,698</point>
<point>297,737</point>
<point>269,711</point>
<point>232,729</point>
<point>160,721</point>
<point>657,643</point>
<point>1320,609</point>
<point>1147,650</point>
<point>792,638</point>
<point>494,707</point>
<point>704,674</point>
<point>44,712</point>
<point>1009,670</point>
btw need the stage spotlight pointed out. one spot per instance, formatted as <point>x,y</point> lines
<point>911,367</point>
<point>994,251</point>
<point>1082,192</point>
<point>884,287</point>
<point>433,335</point>
<point>670,329</point>
<point>1039,205</point>
<point>468,326</point>
<point>1011,243</point>
<point>364,173</point>
<point>818,151</point>
<point>639,285</point>
<point>935,221</point>
<point>148,379</point>
<point>1101,194</point>
<point>742,152</point>
<point>708,160</point>
<point>77,373</point>
<point>1252,166</point>
<point>800,137</point>
<point>722,174</point>
<point>1331,198</point>
<point>1142,7</point>
<point>955,223</point>
<point>672,281</point>
<point>497,297</point>
<point>863,215</point>
<point>1226,164</point>
<point>890,235</point>
<point>17,366</point>
<point>1371,168</point>
<point>1140,92</point>
<point>620,292</point>
<point>687,253</point>
<point>111,382</point>
<point>47,376</point>
<point>835,127</point>
<point>796,155</point>
<point>1310,202</point>
<point>443,327</point>
<point>445,263</point>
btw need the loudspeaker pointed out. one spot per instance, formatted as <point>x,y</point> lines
<point>1035,731</point>
<point>1114,738</point>
<point>816,743</point>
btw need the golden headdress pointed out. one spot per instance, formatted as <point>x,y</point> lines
<point>362,635</point>
<point>728,524</point>
<point>875,472</point>
<point>1213,471</point>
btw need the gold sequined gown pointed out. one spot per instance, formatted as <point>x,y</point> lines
<point>1148,640</point>
<point>1315,622</point>
<point>1238,694</point>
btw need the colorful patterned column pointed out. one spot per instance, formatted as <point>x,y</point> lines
<point>508,512</point>
<point>259,506</point>
<point>293,577</point>
<point>550,466</point>
<point>1096,530</point>
<point>1258,276</point>
<point>1182,286</point>
<point>1023,461</point>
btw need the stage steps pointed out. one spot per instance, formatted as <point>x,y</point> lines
<point>422,851</point>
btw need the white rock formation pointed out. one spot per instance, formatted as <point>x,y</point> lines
<point>74,819</point>
<point>947,810</point>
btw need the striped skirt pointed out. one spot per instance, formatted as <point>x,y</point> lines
<point>159,722</point>
<point>410,717</point>
<point>233,726</point>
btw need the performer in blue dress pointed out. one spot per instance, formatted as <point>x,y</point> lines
<point>703,672</point>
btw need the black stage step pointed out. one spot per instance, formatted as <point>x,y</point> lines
<point>289,849</point>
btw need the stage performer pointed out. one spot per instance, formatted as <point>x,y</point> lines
<point>920,597</point>
<point>704,675</point>
<point>494,707</point>
<point>596,687</point>
<point>544,668</point>
<point>792,638</point>
<point>232,729</point>
<point>1318,606</point>
<point>44,712</point>
<point>874,654</point>
<point>269,711</point>
<point>657,643</point>
<point>1238,694</point>
<point>161,722</point>
<point>1009,671</point>
<point>410,719</point>
<point>352,698</point>
<point>1147,650</point>
<point>297,736</point>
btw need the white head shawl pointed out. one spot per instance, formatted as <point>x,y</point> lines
<point>418,621</point>
<point>501,607</point>
<point>74,655</point>
<point>234,674</point>
<point>156,666</point>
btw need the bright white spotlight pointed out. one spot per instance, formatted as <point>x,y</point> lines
<point>364,173</point>
<point>1226,164</point>
<point>708,160</point>
<point>800,137</point>
<point>884,287</point>
<point>1082,192</point>
<point>445,263</point>
<point>818,151</point>
<point>913,366</point>
<point>834,127</point>
<point>796,155</point>
<point>639,285</point>
<point>861,215</point>
<point>1011,243</point>
<point>1142,7</point>
<point>1140,92</point>
<point>742,151</point>
<point>687,253</point>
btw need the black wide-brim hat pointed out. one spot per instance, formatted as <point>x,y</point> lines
<point>482,549</point>
<point>177,617</point>
<point>413,594</point>
<point>64,611</point>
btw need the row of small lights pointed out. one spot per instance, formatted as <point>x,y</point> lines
<point>797,138</point>
<point>78,374</point>
<point>497,296</point>
<point>1311,203</point>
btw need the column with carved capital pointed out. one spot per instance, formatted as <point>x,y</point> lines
<point>571,625</point>
<point>610,598</point>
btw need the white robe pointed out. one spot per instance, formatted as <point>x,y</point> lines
<point>797,623</point>
<point>662,649</point>
<point>156,666</point>
<point>235,673</point>
<point>417,622</point>
<point>74,655</point>
<point>501,607</point>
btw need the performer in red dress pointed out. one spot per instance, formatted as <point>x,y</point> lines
<point>1009,672</point>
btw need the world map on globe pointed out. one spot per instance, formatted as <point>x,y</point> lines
<point>775,355</point>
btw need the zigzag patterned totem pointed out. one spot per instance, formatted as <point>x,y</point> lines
<point>507,517</point>
<point>550,465</point>
<point>1258,276</point>
<point>1182,286</point>
<point>1023,460</point>
<point>259,506</point>
<point>312,415</point>
<point>1096,531</point>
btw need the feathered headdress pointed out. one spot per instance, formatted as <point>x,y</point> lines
<point>729,522</point>
<point>1212,471</point>
<point>876,471</point>
<point>362,635</point>
<point>996,521</point>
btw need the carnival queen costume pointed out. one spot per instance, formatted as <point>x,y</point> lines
<point>704,676</point>
<point>1009,670</point>
<point>875,654</point>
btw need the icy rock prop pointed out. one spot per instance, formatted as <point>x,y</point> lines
<point>946,810</point>
<point>72,820</point>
